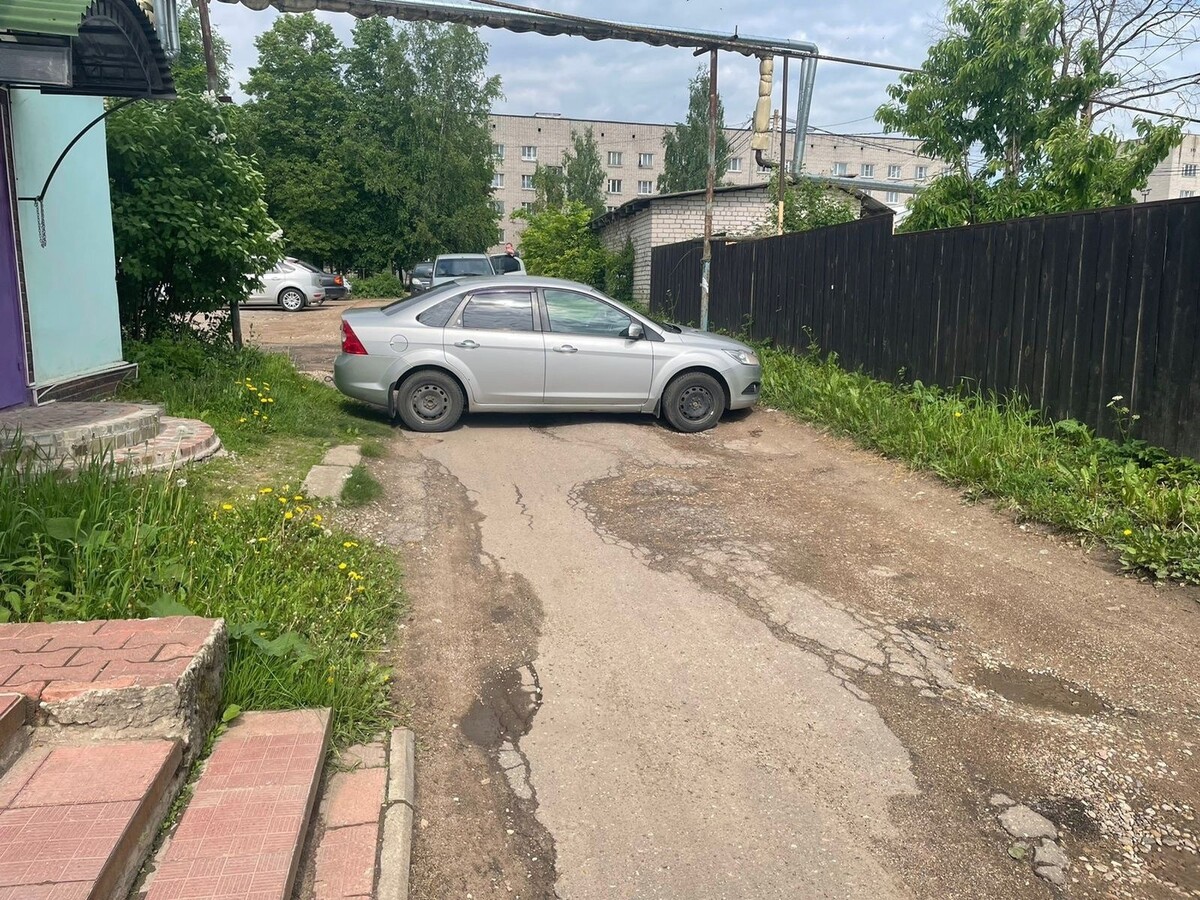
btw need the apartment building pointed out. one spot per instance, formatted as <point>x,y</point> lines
<point>1176,176</point>
<point>632,154</point>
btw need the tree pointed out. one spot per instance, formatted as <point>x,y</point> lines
<point>994,86</point>
<point>190,227</point>
<point>298,107</point>
<point>685,147</point>
<point>808,205</point>
<point>583,173</point>
<point>549,186</point>
<point>189,70</point>
<point>1135,40</point>
<point>558,243</point>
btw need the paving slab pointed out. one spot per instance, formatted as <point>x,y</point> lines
<point>243,830</point>
<point>344,455</point>
<point>76,819</point>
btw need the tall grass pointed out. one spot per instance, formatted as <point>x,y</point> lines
<point>1140,500</point>
<point>308,608</point>
<point>247,395</point>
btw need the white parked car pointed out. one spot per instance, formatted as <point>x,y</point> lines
<point>291,285</point>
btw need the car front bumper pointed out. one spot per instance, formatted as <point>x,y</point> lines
<point>745,385</point>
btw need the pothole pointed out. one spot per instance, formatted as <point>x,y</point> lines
<point>1070,813</point>
<point>503,712</point>
<point>1041,690</point>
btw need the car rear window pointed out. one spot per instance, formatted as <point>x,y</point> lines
<point>440,291</point>
<point>453,268</point>
<point>439,314</point>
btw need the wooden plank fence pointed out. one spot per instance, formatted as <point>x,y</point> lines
<point>1066,310</point>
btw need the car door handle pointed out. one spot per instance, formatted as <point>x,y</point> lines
<point>566,348</point>
<point>468,344</point>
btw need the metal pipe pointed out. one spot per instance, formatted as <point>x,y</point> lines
<point>709,187</point>
<point>783,145</point>
<point>808,77</point>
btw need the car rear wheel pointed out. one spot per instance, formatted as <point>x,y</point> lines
<point>429,401</point>
<point>693,402</point>
<point>292,299</point>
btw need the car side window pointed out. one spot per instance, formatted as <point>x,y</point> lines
<point>499,311</point>
<point>439,314</point>
<point>574,313</point>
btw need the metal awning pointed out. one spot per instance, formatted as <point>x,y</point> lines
<point>511,17</point>
<point>56,17</point>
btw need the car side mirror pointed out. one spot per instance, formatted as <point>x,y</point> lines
<point>636,332</point>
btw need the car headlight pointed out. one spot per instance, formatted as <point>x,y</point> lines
<point>745,357</point>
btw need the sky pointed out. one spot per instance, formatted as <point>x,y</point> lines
<point>582,79</point>
<point>635,82</point>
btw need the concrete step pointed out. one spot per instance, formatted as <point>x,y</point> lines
<point>122,679</point>
<point>12,728</point>
<point>65,431</point>
<point>76,821</point>
<point>242,833</point>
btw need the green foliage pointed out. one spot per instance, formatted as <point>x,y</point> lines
<point>384,285</point>
<point>189,70</point>
<point>558,243</point>
<point>582,172</point>
<point>808,205</point>
<point>618,273</point>
<point>685,147</point>
<point>248,396</point>
<point>549,187</point>
<point>360,488</point>
<point>190,227</point>
<point>1138,499</point>
<point>996,84</point>
<point>308,609</point>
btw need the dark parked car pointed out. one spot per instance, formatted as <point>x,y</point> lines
<point>337,287</point>
<point>421,277</point>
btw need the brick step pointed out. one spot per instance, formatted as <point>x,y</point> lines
<point>76,821</point>
<point>65,431</point>
<point>242,833</point>
<point>12,728</point>
<point>178,442</point>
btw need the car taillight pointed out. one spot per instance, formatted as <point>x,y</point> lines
<point>337,279</point>
<point>350,342</point>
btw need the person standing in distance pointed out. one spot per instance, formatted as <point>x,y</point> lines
<point>508,262</point>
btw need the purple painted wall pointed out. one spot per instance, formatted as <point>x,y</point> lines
<point>13,380</point>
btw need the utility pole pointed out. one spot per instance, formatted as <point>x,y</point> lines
<point>706,259</point>
<point>783,145</point>
<point>210,67</point>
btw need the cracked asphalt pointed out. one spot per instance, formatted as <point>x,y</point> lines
<point>760,663</point>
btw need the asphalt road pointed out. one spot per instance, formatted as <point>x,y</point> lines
<point>760,663</point>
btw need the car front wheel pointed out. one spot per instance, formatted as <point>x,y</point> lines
<point>693,402</point>
<point>430,401</point>
<point>292,299</point>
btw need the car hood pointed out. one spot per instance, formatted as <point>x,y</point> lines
<point>694,337</point>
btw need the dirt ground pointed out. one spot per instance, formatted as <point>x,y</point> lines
<point>760,663</point>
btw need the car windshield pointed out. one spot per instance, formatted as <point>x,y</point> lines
<point>422,270</point>
<point>468,265</point>
<point>432,294</point>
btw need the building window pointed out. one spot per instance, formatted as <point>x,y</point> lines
<point>498,151</point>
<point>891,197</point>
<point>894,172</point>
<point>611,208</point>
<point>498,180</point>
<point>1187,193</point>
<point>614,185</point>
<point>645,160</point>
<point>735,164</point>
<point>498,206</point>
<point>1189,170</point>
<point>867,170</point>
<point>922,173</point>
<point>841,169</point>
<point>527,204</point>
<point>529,152</point>
<point>501,236</point>
<point>645,187</point>
<point>527,182</point>
<point>614,157</point>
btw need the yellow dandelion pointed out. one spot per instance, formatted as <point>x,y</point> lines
<point>266,418</point>
<point>256,412</point>
<point>360,589</point>
<point>354,576</point>
<point>270,399</point>
<point>1127,532</point>
<point>191,543</point>
<point>262,399</point>
<point>251,387</point>
<point>262,540</point>
<point>226,506</point>
<point>329,680</point>
<point>342,566</point>
<point>242,419</point>
<point>318,518</point>
<point>288,515</point>
<point>354,635</point>
<point>266,490</point>
<point>266,384</point>
<point>348,544</point>
<point>298,497</point>
<point>958,414</point>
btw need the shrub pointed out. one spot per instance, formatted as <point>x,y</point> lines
<point>384,285</point>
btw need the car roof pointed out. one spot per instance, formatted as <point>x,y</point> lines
<point>529,281</point>
<point>462,256</point>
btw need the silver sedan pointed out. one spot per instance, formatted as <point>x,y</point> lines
<point>517,343</point>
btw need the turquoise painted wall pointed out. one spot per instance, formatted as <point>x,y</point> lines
<point>70,283</point>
